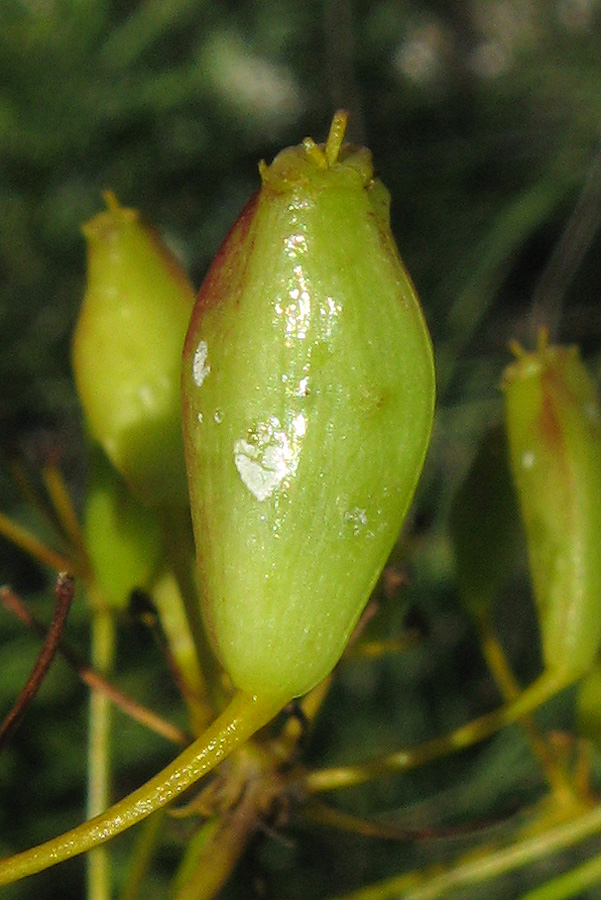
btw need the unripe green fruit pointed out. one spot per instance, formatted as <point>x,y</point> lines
<point>127,352</point>
<point>308,392</point>
<point>122,537</point>
<point>554,429</point>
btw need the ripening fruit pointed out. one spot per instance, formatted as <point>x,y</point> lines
<point>308,391</point>
<point>127,352</point>
<point>554,429</point>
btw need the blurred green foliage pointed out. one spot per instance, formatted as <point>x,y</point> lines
<point>483,117</point>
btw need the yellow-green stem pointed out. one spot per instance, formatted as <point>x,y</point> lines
<point>61,501</point>
<point>571,884</point>
<point>510,691</point>
<point>476,869</point>
<point>180,551</point>
<point>99,749</point>
<point>244,716</point>
<point>36,548</point>
<point>30,494</point>
<point>477,730</point>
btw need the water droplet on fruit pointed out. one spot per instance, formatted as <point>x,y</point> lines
<point>528,460</point>
<point>357,519</point>
<point>268,455</point>
<point>200,363</point>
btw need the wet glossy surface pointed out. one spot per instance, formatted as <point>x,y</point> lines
<point>308,398</point>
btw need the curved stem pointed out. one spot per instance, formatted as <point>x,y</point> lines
<point>146,717</point>
<point>244,716</point>
<point>510,691</point>
<point>343,776</point>
<point>571,884</point>
<point>64,596</point>
<point>18,535</point>
<point>67,517</point>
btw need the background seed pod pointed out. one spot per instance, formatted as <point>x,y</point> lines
<point>554,431</point>
<point>127,352</point>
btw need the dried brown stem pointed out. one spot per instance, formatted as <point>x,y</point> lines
<point>134,710</point>
<point>64,590</point>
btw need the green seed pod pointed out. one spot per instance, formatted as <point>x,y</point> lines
<point>554,431</point>
<point>122,537</point>
<point>127,352</point>
<point>308,392</point>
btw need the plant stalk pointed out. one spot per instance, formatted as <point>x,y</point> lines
<point>244,716</point>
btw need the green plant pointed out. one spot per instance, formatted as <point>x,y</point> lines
<point>554,431</point>
<point>264,776</point>
<point>358,309</point>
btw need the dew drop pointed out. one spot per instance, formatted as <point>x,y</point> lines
<point>303,388</point>
<point>528,460</point>
<point>147,396</point>
<point>267,457</point>
<point>356,518</point>
<point>260,472</point>
<point>200,363</point>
